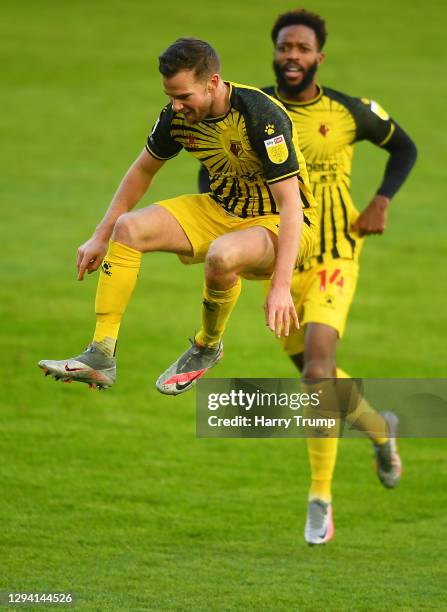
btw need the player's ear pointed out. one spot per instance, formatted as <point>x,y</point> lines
<point>213,82</point>
<point>320,57</point>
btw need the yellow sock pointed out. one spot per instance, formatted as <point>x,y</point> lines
<point>322,456</point>
<point>322,449</point>
<point>117,279</point>
<point>366,419</point>
<point>216,309</point>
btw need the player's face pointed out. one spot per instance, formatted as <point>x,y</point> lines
<point>189,96</point>
<point>297,57</point>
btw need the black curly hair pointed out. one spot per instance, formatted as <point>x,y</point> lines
<point>301,17</point>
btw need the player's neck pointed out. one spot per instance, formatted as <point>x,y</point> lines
<point>221,104</point>
<point>306,95</point>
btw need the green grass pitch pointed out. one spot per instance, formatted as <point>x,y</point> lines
<point>110,495</point>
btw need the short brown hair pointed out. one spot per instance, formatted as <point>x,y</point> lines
<point>189,54</point>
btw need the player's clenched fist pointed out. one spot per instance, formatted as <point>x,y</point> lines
<point>373,219</point>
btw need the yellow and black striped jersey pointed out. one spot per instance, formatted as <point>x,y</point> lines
<point>252,146</point>
<point>328,126</point>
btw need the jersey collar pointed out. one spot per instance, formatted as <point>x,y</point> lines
<point>296,103</point>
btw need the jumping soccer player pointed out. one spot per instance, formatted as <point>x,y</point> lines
<point>328,124</point>
<point>258,221</point>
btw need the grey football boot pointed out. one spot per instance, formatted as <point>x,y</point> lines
<point>319,527</point>
<point>388,462</point>
<point>92,367</point>
<point>189,367</point>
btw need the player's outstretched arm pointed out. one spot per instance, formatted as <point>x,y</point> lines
<point>279,309</point>
<point>132,188</point>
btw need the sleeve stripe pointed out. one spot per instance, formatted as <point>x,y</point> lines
<point>149,150</point>
<point>281,178</point>
<point>390,133</point>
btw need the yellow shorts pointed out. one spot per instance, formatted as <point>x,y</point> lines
<point>322,294</point>
<point>203,221</point>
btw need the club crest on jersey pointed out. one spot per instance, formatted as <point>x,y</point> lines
<point>191,141</point>
<point>277,149</point>
<point>235,148</point>
<point>323,129</point>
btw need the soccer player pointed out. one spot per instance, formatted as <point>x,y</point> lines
<point>329,123</point>
<point>258,220</point>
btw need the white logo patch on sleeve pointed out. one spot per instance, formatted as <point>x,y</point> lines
<point>379,111</point>
<point>277,149</point>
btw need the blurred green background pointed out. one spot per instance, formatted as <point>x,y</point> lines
<point>111,495</point>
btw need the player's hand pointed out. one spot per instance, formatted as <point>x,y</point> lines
<point>90,255</point>
<point>374,218</point>
<point>280,312</point>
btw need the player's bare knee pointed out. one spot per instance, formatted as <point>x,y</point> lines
<point>124,230</point>
<point>218,261</point>
<point>315,369</point>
